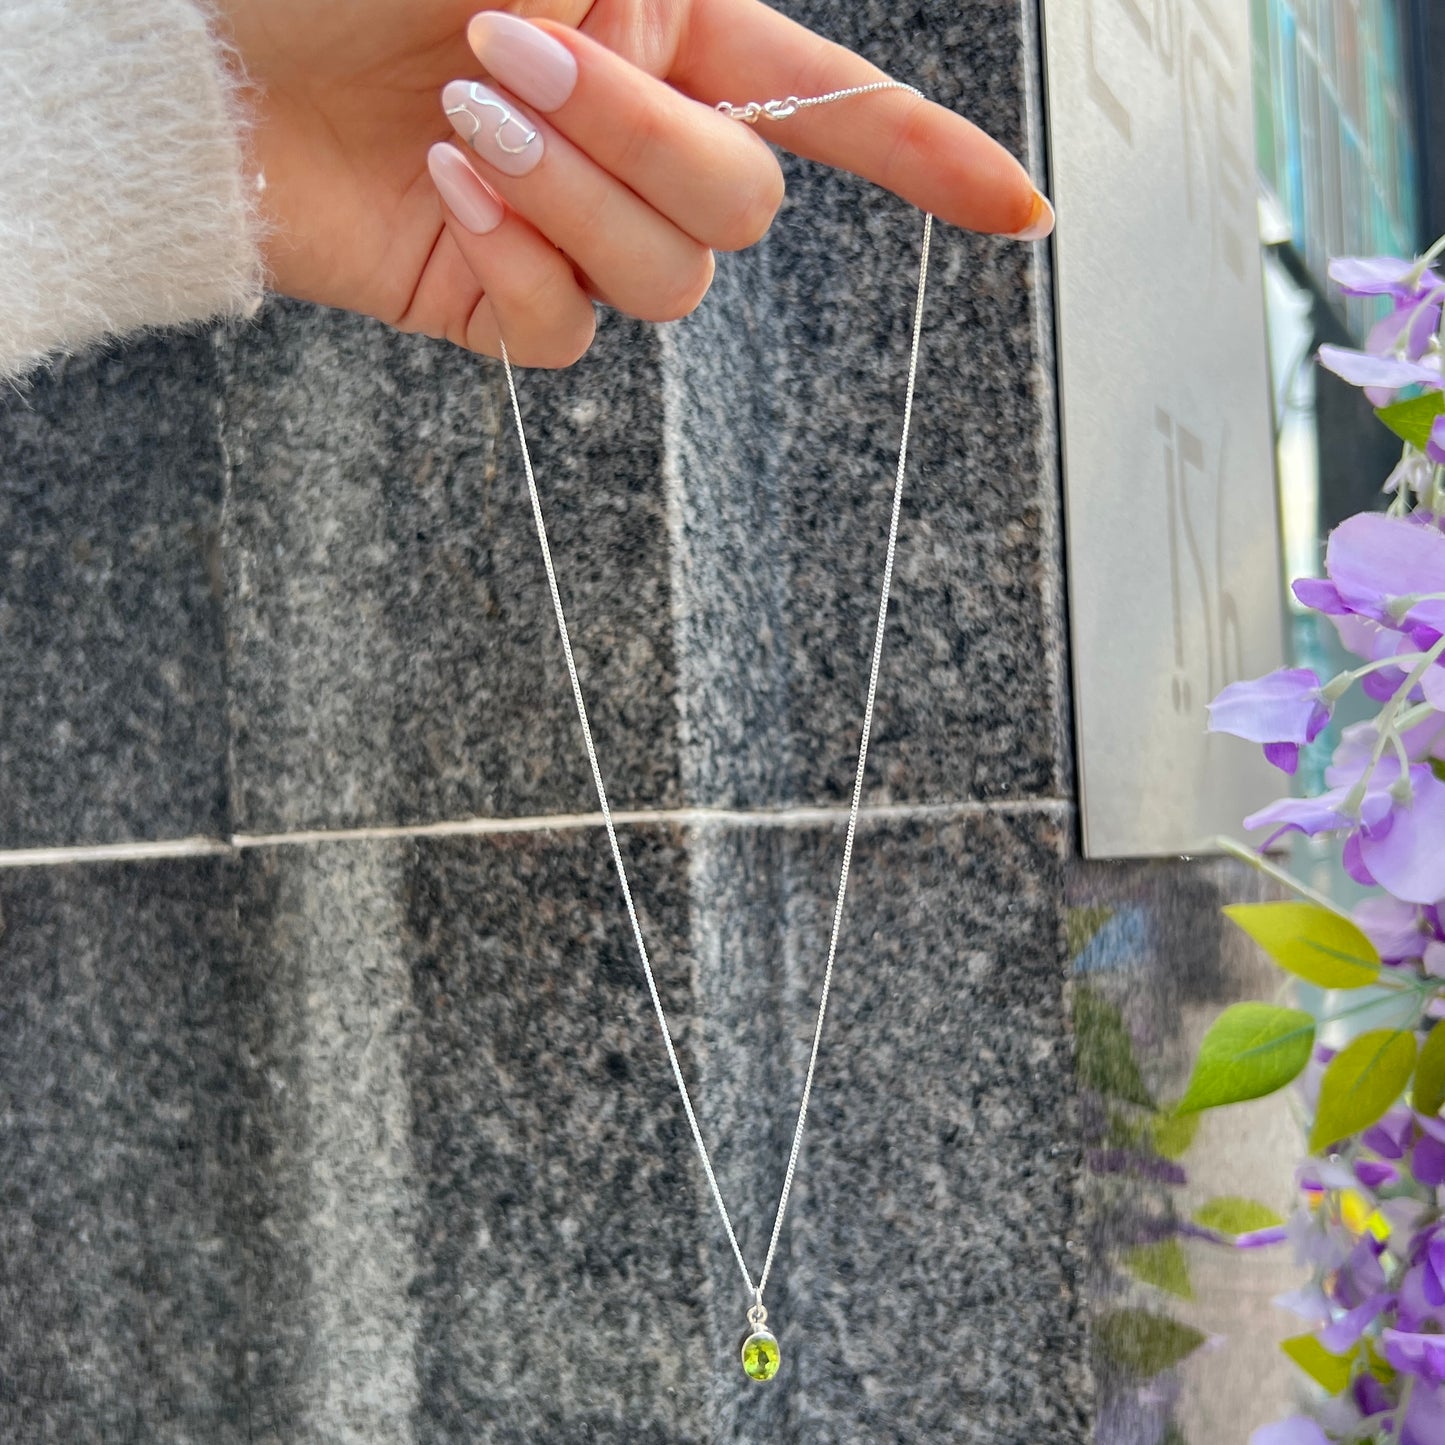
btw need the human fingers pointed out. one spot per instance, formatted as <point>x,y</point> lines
<point>714,179</point>
<point>930,156</point>
<point>530,297</point>
<point>635,258</point>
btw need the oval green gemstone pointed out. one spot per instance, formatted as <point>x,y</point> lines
<point>760,1355</point>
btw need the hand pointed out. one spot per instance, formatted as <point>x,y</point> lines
<point>614,177</point>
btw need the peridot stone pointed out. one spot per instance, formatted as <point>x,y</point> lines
<point>760,1355</point>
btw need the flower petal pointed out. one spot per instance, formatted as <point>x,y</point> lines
<point>1323,814</point>
<point>1359,368</point>
<point>1282,707</point>
<point>1409,859</point>
<point>1375,1172</point>
<point>1392,926</point>
<point>1376,275</point>
<point>1372,558</point>
<point>1425,1418</point>
<point>1320,594</point>
<point>1428,1166</point>
<point>1411,1354</point>
<point>1407,330</point>
<point>1340,1336</point>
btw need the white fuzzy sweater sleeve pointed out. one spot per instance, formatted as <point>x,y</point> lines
<point>124,198</point>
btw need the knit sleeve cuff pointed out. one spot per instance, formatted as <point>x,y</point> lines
<point>125,196</point>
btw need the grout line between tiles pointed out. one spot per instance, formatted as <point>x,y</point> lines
<point>113,852</point>
<point>477,827</point>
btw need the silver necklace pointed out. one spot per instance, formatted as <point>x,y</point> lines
<point>760,1353</point>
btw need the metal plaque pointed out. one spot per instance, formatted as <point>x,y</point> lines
<point>1174,570</point>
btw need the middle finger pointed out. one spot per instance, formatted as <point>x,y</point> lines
<point>713,178</point>
<point>636,259</point>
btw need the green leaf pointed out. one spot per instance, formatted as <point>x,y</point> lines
<point>1331,1371</point>
<point>1105,1052</point>
<point>1230,1214</point>
<point>1437,766</point>
<point>1163,1265</point>
<point>1172,1134</point>
<point>1412,420</point>
<point>1310,942</point>
<point>1143,1345</point>
<point>1361,1082</point>
<point>1429,1091</point>
<point>1251,1050</point>
<point>1081,924</point>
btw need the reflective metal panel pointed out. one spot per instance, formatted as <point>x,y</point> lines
<point>1173,551</point>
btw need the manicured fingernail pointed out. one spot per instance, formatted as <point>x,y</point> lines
<point>1041,220</point>
<point>529,62</point>
<point>493,127</point>
<point>472,200</point>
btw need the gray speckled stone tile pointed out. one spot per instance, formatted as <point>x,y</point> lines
<point>207,1215</point>
<point>567,1216</point>
<point>112,716</point>
<point>784,399</point>
<point>393,656</point>
<point>124,1228</point>
<point>933,1275</point>
<point>377,1142</point>
<point>560,1284</point>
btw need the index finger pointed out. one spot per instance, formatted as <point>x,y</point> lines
<point>922,151</point>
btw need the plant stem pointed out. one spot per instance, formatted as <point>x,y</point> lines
<point>1261,864</point>
<point>1386,721</point>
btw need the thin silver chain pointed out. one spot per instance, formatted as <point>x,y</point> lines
<point>771,110</point>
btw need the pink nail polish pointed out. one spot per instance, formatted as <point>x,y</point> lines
<point>529,62</point>
<point>472,201</point>
<point>493,126</point>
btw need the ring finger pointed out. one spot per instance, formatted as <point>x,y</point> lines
<point>529,294</point>
<point>636,259</point>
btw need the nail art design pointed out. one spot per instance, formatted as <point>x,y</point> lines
<point>479,98</point>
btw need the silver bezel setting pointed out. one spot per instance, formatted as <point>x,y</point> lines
<point>743,1353</point>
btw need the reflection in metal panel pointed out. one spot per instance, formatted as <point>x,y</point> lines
<point>1174,568</point>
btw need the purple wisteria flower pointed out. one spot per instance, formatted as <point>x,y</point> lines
<point>1411,1354</point>
<point>1400,931</point>
<point>1376,563</point>
<point>1393,841</point>
<point>1399,350</point>
<point>1380,276</point>
<point>1282,710</point>
<point>1380,374</point>
<point>1371,1222</point>
<point>1385,592</point>
<point>1405,852</point>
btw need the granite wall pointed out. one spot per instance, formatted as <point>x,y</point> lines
<point>334,1105</point>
